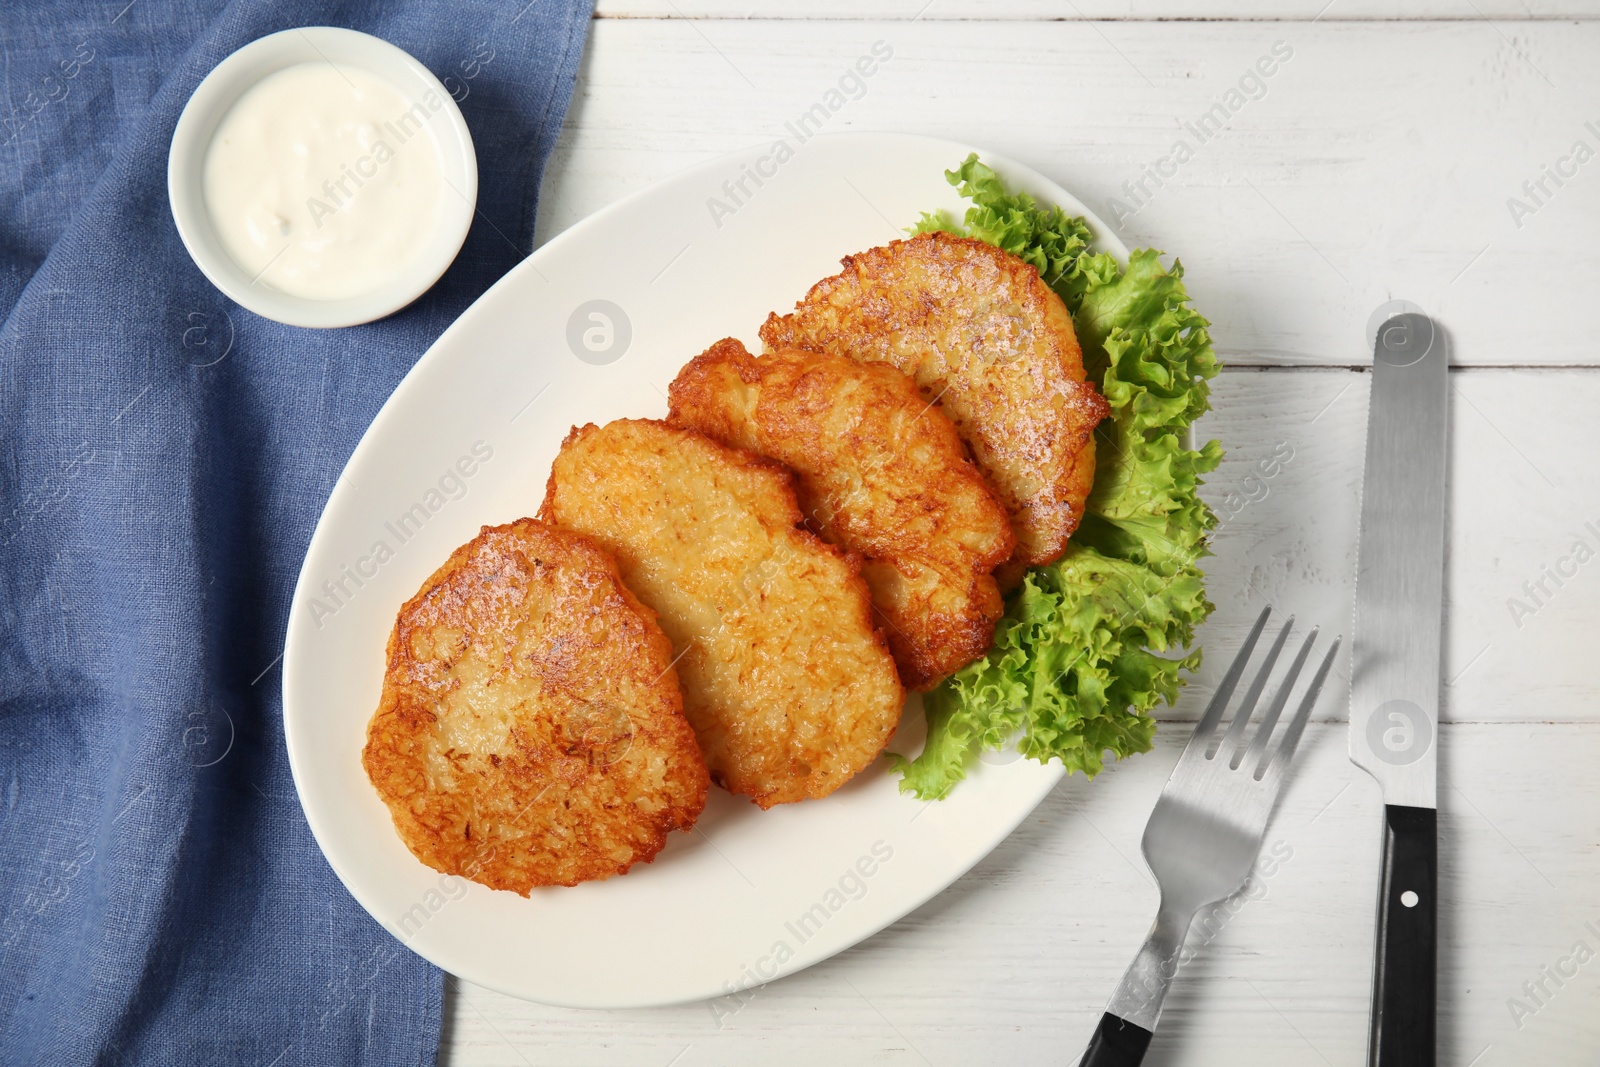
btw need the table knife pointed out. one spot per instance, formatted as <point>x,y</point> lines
<point>1394,688</point>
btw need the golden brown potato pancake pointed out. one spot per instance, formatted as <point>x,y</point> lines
<point>786,681</point>
<point>531,731</point>
<point>881,473</point>
<point>988,342</point>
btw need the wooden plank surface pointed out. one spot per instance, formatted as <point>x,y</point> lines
<point>1288,537</point>
<point>1377,164</point>
<point>1014,962</point>
<point>1107,10</point>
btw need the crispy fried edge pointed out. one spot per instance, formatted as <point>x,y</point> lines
<point>675,817</point>
<point>867,623</point>
<point>776,332</point>
<point>948,642</point>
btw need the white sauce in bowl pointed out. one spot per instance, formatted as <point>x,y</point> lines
<point>324,181</point>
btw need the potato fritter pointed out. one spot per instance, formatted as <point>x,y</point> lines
<point>993,346</point>
<point>787,683</point>
<point>531,731</point>
<point>881,473</point>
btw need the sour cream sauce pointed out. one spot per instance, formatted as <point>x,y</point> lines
<point>324,182</point>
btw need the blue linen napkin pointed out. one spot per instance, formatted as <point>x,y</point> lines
<point>164,456</point>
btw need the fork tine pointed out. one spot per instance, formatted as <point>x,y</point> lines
<point>1279,759</point>
<point>1258,744</point>
<point>1219,699</point>
<point>1241,718</point>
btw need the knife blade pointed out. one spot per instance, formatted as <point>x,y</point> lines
<point>1394,690</point>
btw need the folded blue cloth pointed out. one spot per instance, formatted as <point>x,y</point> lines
<point>164,455</point>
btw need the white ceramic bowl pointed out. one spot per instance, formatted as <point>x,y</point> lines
<point>458,165</point>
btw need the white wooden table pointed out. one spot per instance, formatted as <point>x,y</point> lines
<point>1375,163</point>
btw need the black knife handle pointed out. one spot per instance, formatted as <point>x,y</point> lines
<point>1402,1032</point>
<point>1116,1043</point>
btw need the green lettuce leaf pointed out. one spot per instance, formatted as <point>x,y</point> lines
<point>1090,643</point>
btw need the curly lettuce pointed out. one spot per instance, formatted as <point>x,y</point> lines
<point>1090,643</point>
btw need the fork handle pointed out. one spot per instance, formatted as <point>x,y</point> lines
<point>1402,1033</point>
<point>1116,1043</point>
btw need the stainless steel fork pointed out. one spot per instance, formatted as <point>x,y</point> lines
<point>1204,835</point>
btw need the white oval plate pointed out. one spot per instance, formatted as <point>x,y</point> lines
<point>467,440</point>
